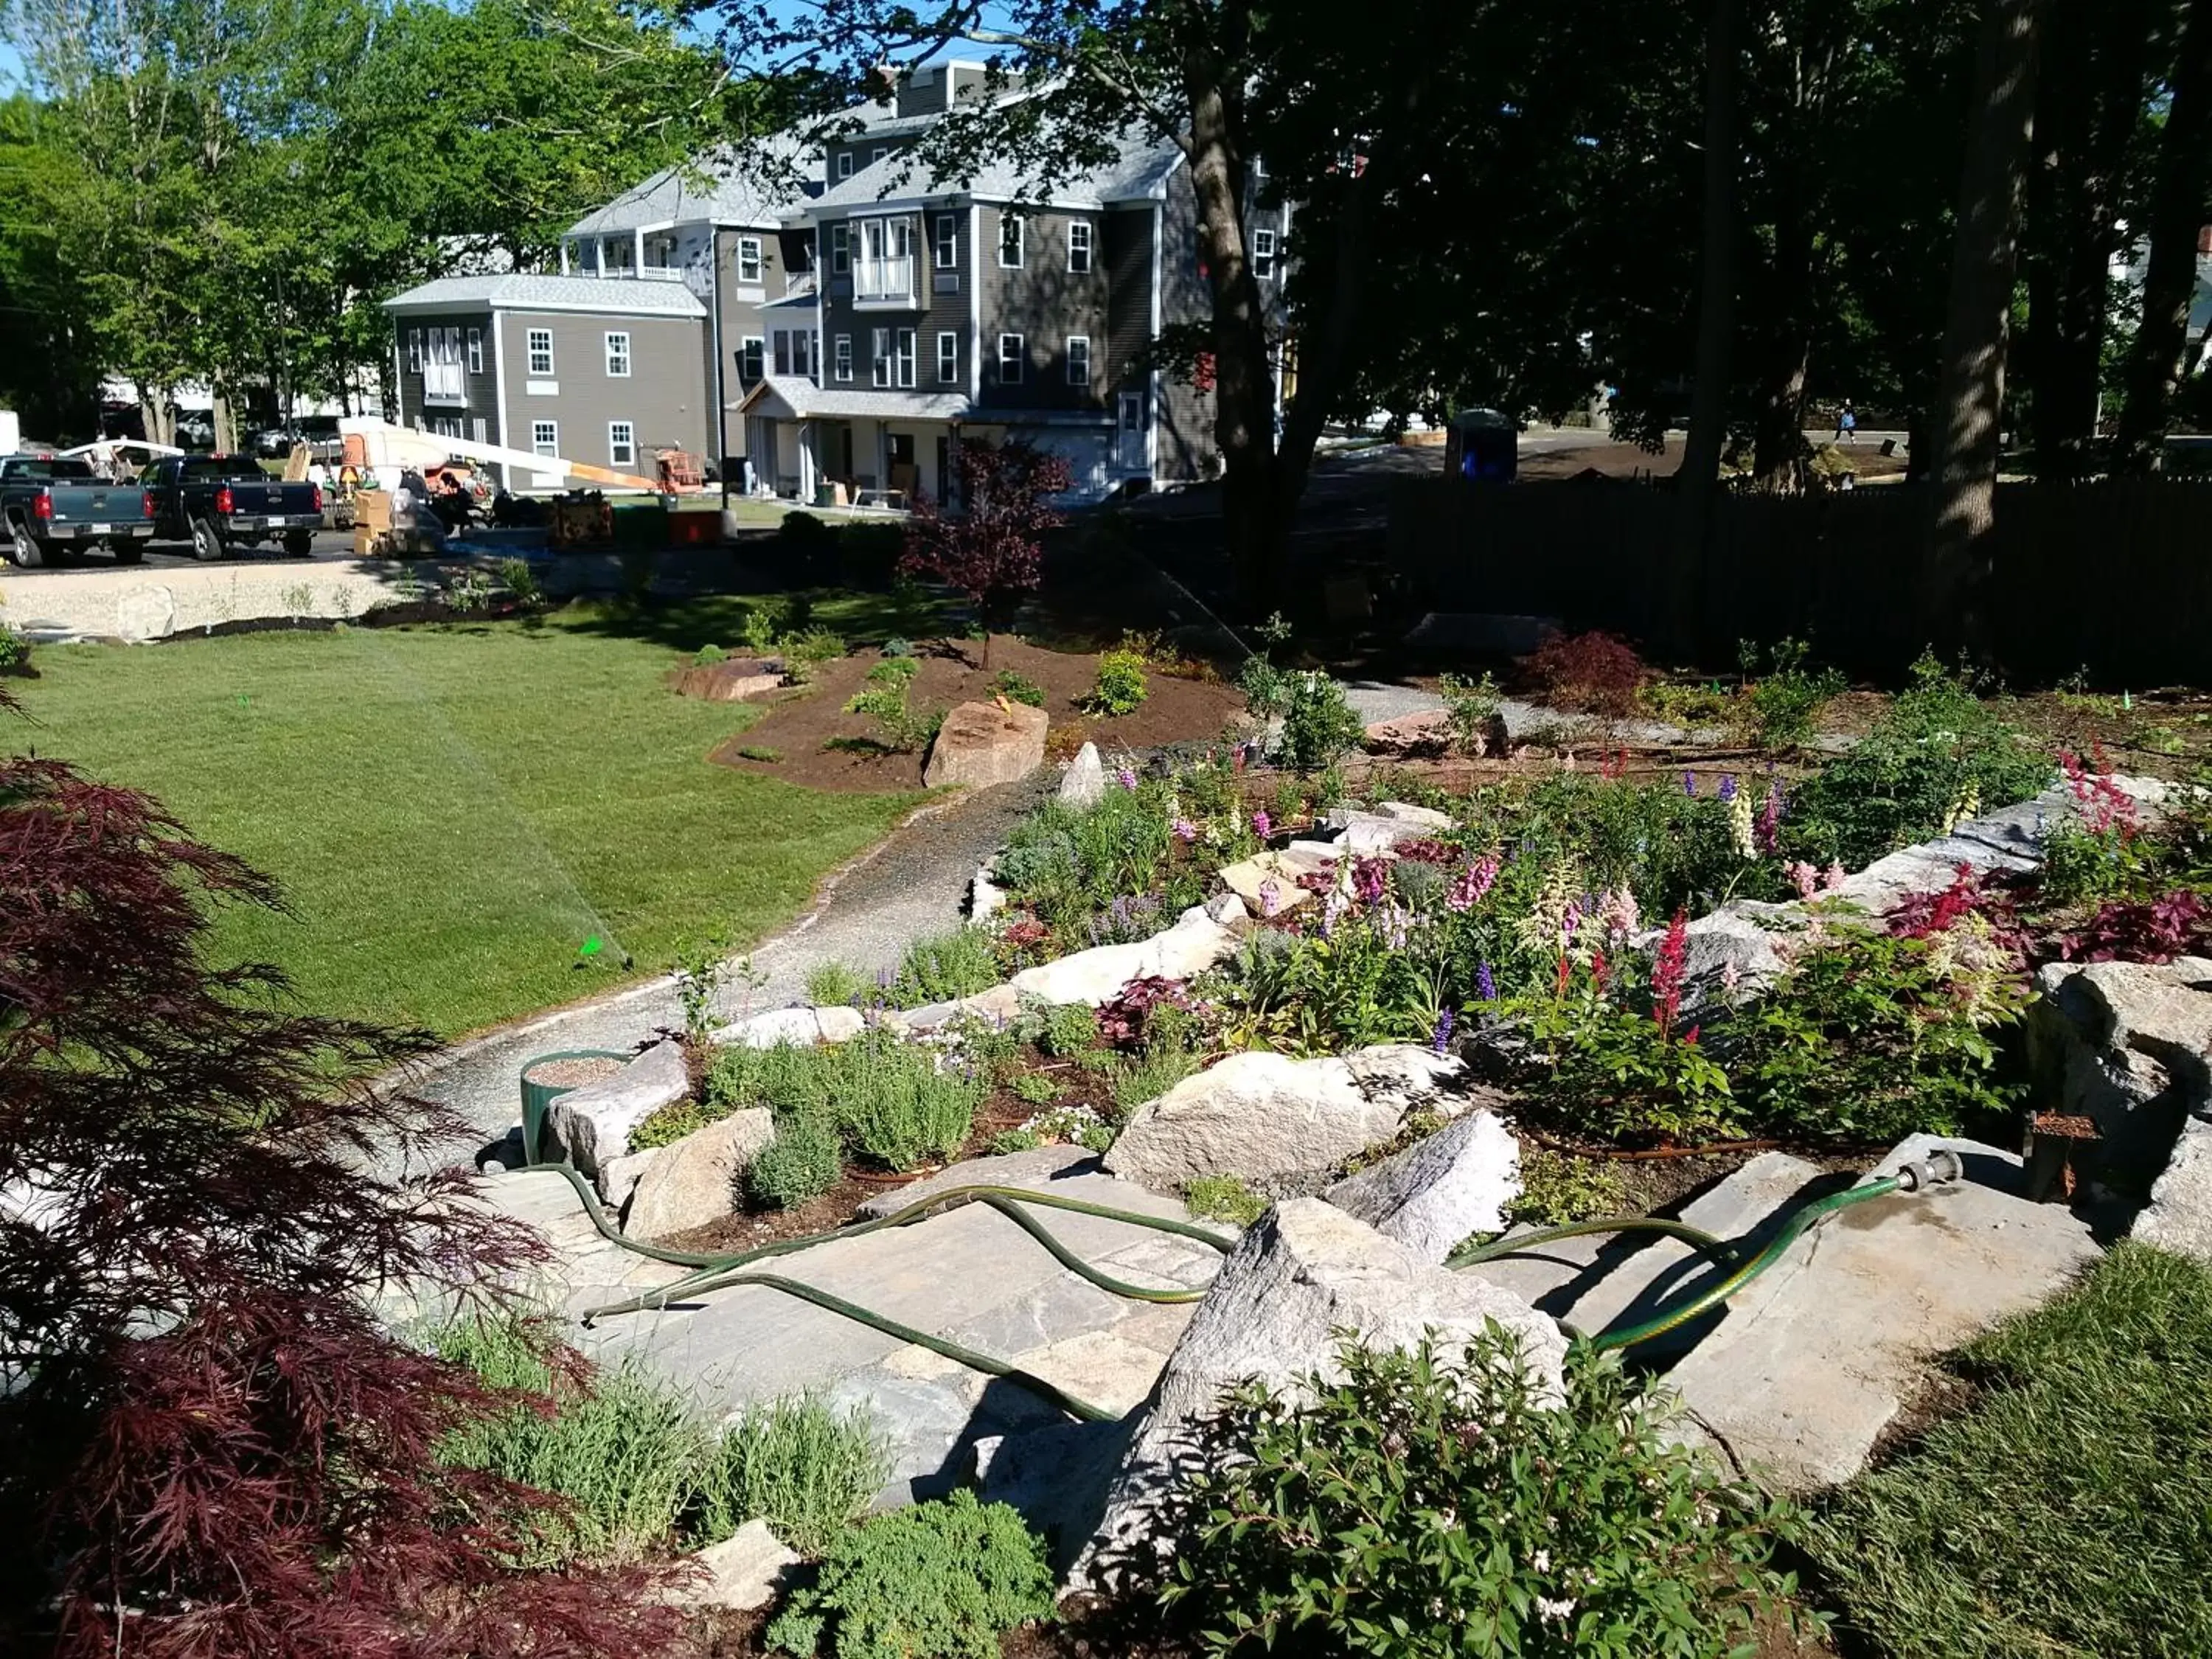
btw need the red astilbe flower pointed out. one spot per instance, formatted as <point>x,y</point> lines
<point>1668,969</point>
<point>2104,806</point>
<point>208,1445</point>
<point>2176,924</point>
<point>1922,915</point>
<point>991,546</point>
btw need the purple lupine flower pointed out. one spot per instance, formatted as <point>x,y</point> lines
<point>1442,1041</point>
<point>1727,787</point>
<point>1126,778</point>
<point>1690,784</point>
<point>1769,817</point>
<point>1262,823</point>
<point>1485,986</point>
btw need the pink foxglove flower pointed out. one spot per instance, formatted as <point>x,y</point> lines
<point>1262,823</point>
<point>1271,896</point>
<point>1469,886</point>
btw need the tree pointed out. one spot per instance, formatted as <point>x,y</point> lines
<point>991,545</point>
<point>208,1443</point>
<point>1970,393</point>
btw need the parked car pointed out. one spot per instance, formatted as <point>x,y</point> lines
<point>56,503</point>
<point>218,502</point>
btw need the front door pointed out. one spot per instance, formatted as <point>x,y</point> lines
<point>1131,456</point>
<point>945,470</point>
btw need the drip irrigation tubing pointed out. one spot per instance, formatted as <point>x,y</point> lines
<point>1615,1155</point>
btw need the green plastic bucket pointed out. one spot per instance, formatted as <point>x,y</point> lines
<point>537,1098</point>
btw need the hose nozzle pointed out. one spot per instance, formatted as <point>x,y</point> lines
<point>1939,1166</point>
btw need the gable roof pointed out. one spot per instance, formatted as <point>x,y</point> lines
<point>725,186</point>
<point>1139,172</point>
<point>528,291</point>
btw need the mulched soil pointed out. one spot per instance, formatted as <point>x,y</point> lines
<point>802,719</point>
<point>574,1074</point>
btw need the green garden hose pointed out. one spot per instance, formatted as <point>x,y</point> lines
<point>1941,1166</point>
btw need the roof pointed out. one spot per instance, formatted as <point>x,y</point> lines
<point>727,186</point>
<point>531,292</point>
<point>792,397</point>
<point>1139,171</point>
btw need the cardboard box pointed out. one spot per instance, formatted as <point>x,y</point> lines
<point>372,510</point>
<point>365,541</point>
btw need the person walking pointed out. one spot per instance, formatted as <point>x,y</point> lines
<point>1847,425</point>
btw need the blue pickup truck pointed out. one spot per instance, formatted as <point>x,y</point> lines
<point>55,505</point>
<point>218,502</point>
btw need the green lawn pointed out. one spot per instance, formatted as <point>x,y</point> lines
<point>2064,1513</point>
<point>454,811</point>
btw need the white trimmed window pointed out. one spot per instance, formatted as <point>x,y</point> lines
<point>877,154</point>
<point>841,249</point>
<point>782,351</point>
<point>948,359</point>
<point>948,242</point>
<point>884,270</point>
<point>540,340</point>
<point>844,164</point>
<point>1079,246</point>
<point>751,359</point>
<point>1078,360</point>
<point>749,259</point>
<point>622,444</point>
<point>476,351</point>
<point>618,357</point>
<point>1263,254</point>
<point>903,360</point>
<point>544,438</point>
<point>1010,359</point>
<point>880,357</point>
<point>842,345</point>
<point>476,428</point>
<point>414,351</point>
<point>1009,240</point>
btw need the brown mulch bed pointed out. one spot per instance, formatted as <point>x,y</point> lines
<point>801,719</point>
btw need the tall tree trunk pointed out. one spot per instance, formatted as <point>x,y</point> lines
<point>1244,388</point>
<point>1778,438</point>
<point>1969,384</point>
<point>2179,199</point>
<point>1696,478</point>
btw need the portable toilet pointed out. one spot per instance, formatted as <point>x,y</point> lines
<point>1482,446</point>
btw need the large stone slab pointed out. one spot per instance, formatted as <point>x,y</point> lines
<point>1819,1354</point>
<point>983,743</point>
<point>745,1571</point>
<point>801,1027</point>
<point>693,1181</point>
<point>1039,1168</point>
<point>593,1123</point>
<point>1195,943</point>
<point>1266,1118</point>
<point>2179,1215</point>
<point>996,1006</point>
<point>1306,1274</point>
<point>1249,880</point>
<point>2126,1045</point>
<point>1437,1192</point>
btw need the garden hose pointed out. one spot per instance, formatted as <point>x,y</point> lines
<point>1943,1166</point>
<point>715,1272</point>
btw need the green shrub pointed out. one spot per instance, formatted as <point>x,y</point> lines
<point>15,650</point>
<point>622,1449</point>
<point>669,1124</point>
<point>759,751</point>
<point>1060,1029</point>
<point>1012,1140</point>
<point>884,700</point>
<point>901,1109</point>
<point>801,1465</point>
<point>2063,1511</point>
<point>896,647</point>
<point>1424,1505</point>
<point>1037,1088</point>
<point>765,620</point>
<point>805,533</point>
<point>1470,706</point>
<point>946,966</point>
<point>1784,702</point>
<point>1558,1187</point>
<point>1224,1198</point>
<point>1319,726</point>
<point>802,1162</point>
<point>1121,686</point>
<point>1938,744</point>
<point>707,655</point>
<point>1017,688</point>
<point>1150,1075</point>
<point>521,583</point>
<point>943,1580</point>
<point>804,652</point>
<point>833,985</point>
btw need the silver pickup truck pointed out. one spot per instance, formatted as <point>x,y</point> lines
<point>55,504</point>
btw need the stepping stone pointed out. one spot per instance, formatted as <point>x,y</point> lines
<point>1819,1354</point>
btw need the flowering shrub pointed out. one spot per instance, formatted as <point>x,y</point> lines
<point>1426,1504</point>
<point>1597,671</point>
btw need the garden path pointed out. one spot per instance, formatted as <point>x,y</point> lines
<point>913,883</point>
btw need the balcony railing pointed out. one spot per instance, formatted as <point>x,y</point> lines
<point>659,273</point>
<point>887,281</point>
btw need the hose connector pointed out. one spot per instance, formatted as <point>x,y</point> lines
<point>1939,1167</point>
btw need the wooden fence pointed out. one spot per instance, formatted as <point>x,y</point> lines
<point>2115,577</point>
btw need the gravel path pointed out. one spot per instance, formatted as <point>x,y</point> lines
<point>914,883</point>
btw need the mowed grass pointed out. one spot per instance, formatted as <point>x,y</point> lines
<point>454,811</point>
<point>2067,1513</point>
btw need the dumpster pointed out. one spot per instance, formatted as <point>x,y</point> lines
<point>1482,446</point>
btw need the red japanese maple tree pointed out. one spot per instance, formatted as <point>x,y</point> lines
<point>990,546</point>
<point>210,1443</point>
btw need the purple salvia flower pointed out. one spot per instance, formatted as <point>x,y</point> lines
<point>1126,778</point>
<point>1485,986</point>
<point>1727,787</point>
<point>1262,823</point>
<point>1442,1041</point>
<point>1185,831</point>
<point>1690,784</point>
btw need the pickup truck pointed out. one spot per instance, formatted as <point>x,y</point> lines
<point>219,501</point>
<point>55,504</point>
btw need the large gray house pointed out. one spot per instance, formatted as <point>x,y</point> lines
<point>858,318</point>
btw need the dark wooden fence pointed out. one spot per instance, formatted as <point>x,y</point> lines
<point>2114,577</point>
